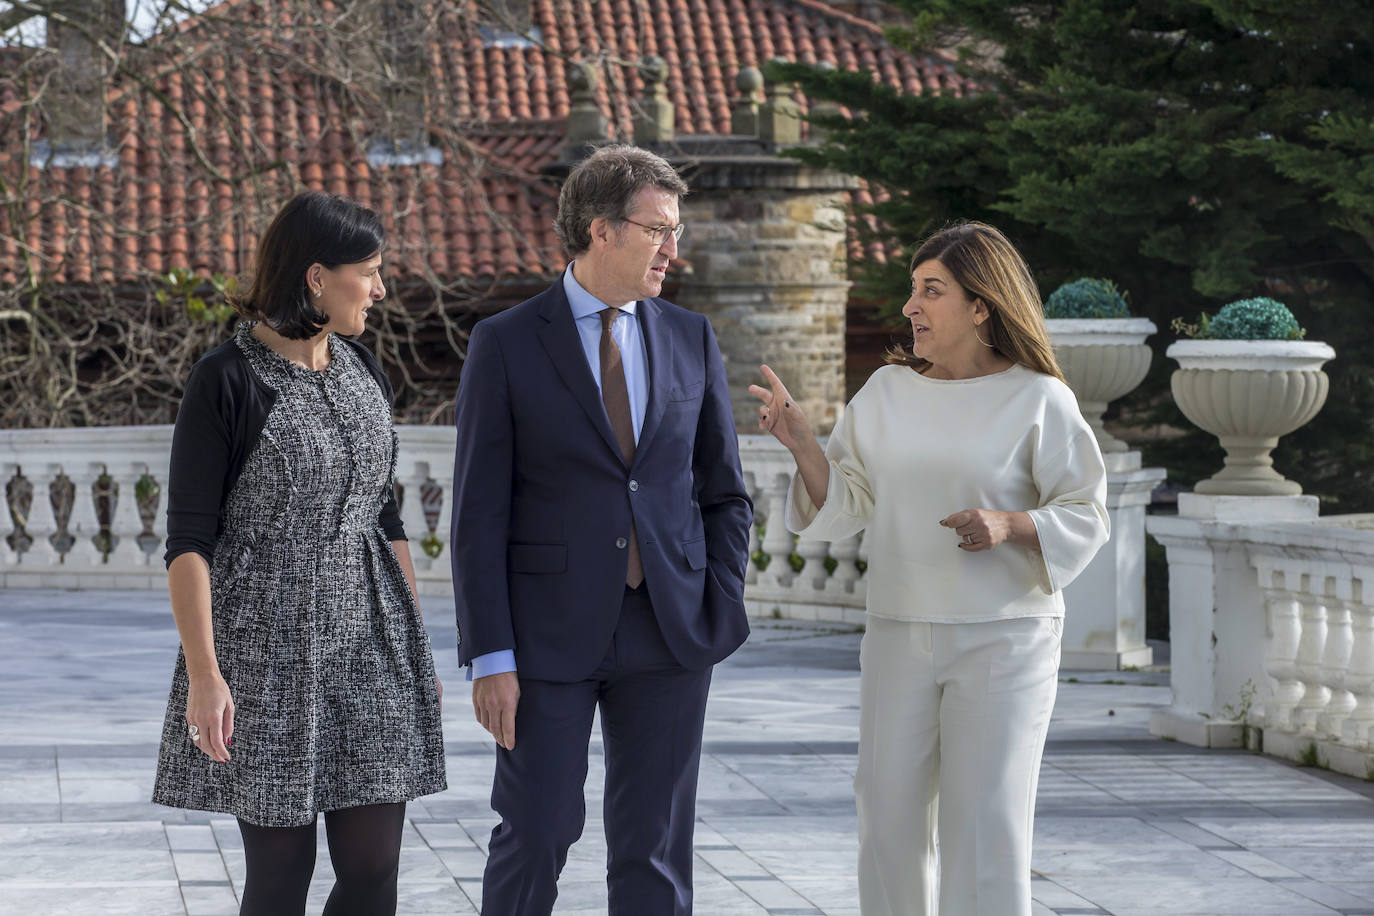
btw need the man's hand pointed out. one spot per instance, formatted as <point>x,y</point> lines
<point>494,699</point>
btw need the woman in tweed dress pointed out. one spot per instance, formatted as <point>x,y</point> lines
<point>305,682</point>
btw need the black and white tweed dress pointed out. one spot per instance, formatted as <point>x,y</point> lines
<point>316,631</point>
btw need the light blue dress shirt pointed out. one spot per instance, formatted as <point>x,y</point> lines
<point>629,337</point>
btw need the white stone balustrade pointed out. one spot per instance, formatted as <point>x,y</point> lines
<point>776,590</point>
<point>125,453</point>
<point>424,464</point>
<point>1357,729</point>
<point>1272,629</point>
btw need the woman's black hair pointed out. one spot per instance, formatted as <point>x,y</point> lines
<point>312,227</point>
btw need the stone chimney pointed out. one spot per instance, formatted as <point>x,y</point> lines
<point>399,32</point>
<point>505,18</point>
<point>654,120</point>
<point>87,47</point>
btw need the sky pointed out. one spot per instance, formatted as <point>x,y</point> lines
<point>143,18</point>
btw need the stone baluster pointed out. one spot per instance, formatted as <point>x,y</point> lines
<point>432,498</point>
<point>9,558</point>
<point>130,520</point>
<point>85,524</point>
<point>42,523</point>
<point>1311,647</point>
<point>444,530</point>
<point>411,475</point>
<point>751,486</point>
<point>751,568</point>
<point>1358,726</point>
<point>813,551</point>
<point>162,474</point>
<point>125,523</point>
<point>61,495</point>
<point>1336,659</point>
<point>777,540</point>
<point>149,502</point>
<point>1280,660</point>
<point>861,585</point>
<point>846,574</point>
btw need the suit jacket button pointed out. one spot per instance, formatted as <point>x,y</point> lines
<point>621,543</point>
<point>634,485</point>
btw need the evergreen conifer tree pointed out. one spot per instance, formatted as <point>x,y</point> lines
<point>1193,151</point>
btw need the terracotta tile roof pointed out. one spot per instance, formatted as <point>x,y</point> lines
<point>254,120</point>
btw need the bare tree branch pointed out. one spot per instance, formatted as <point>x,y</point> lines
<point>84,339</point>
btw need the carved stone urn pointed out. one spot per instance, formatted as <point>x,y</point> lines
<point>1102,359</point>
<point>1249,393</point>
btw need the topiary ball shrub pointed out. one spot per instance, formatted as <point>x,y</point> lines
<point>1087,298</point>
<point>1254,319</point>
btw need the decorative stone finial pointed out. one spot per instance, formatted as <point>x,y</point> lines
<point>585,121</point>
<point>653,69</point>
<point>824,107</point>
<point>780,119</point>
<point>744,118</point>
<point>654,121</point>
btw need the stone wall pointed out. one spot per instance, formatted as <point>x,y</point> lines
<point>766,248</point>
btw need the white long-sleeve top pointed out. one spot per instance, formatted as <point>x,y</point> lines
<point>910,451</point>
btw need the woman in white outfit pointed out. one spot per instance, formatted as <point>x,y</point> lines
<point>983,494</point>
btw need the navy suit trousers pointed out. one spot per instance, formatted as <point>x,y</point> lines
<point>652,712</point>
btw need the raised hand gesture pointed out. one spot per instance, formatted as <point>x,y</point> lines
<point>779,414</point>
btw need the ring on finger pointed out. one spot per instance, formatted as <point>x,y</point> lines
<point>968,539</point>
<point>193,731</point>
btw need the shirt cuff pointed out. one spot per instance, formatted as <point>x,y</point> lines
<point>492,663</point>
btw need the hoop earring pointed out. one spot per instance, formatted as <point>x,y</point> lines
<point>981,340</point>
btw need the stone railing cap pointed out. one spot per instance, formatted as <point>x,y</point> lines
<point>1085,332</point>
<point>1250,354</point>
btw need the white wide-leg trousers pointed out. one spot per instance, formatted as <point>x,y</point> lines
<point>952,726</point>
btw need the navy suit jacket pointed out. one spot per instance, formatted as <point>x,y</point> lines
<point>542,496</point>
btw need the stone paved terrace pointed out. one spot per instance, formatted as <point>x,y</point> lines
<point>1127,825</point>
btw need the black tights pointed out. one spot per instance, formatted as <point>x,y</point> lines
<point>364,847</point>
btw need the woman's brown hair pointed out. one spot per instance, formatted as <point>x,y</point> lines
<point>990,268</point>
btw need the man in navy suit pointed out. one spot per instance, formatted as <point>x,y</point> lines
<point>600,535</point>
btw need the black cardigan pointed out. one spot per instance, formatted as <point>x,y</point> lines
<point>223,410</point>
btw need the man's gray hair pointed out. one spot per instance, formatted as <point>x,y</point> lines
<point>604,185</point>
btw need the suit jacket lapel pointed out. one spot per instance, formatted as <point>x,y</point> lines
<point>658,344</point>
<point>560,339</point>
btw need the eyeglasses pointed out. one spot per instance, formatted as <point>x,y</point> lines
<point>659,234</point>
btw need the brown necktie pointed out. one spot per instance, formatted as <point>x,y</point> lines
<point>616,396</point>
